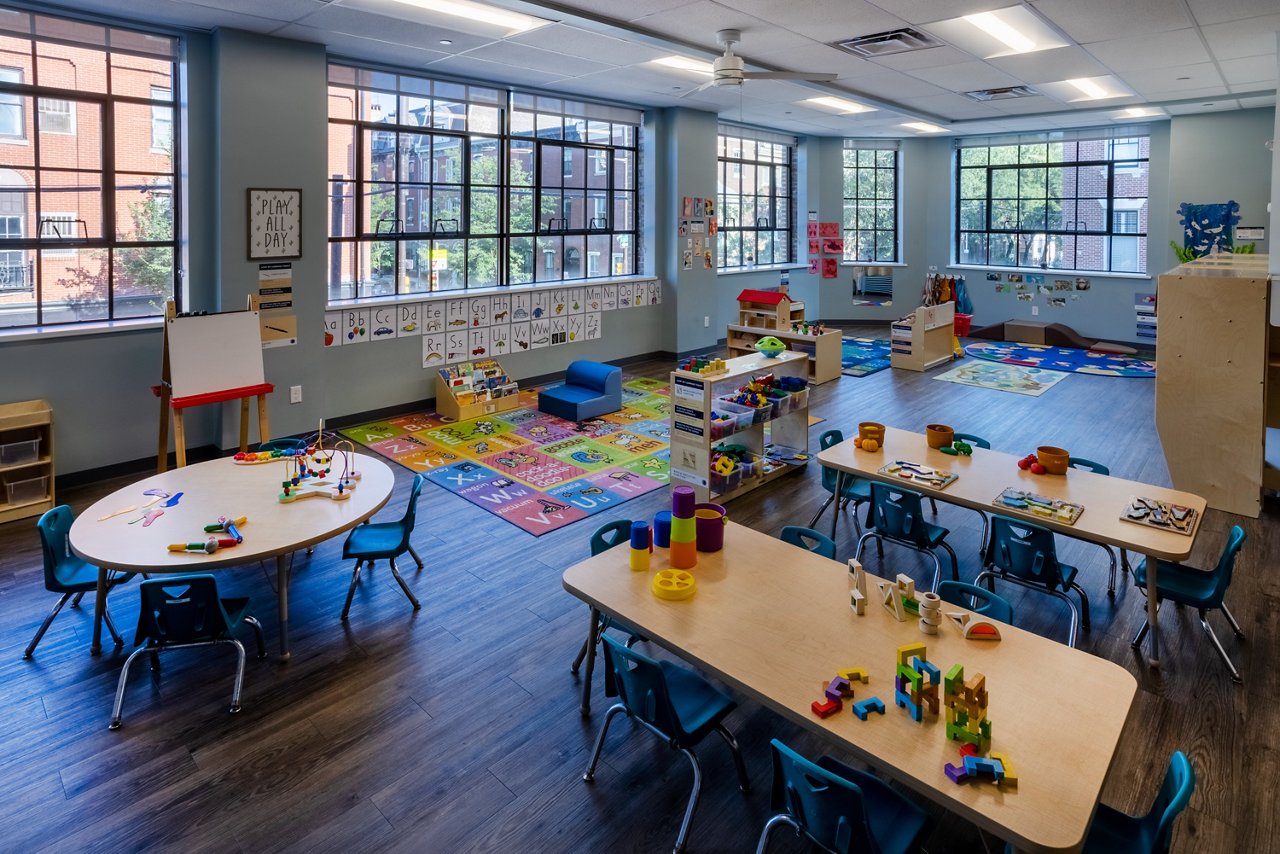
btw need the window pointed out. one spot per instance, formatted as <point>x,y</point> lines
<point>870,203</point>
<point>87,224</point>
<point>440,186</point>
<point>12,117</point>
<point>1064,204</point>
<point>161,120</point>
<point>755,199</point>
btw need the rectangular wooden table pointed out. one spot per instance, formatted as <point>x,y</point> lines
<point>773,621</point>
<point>987,473</point>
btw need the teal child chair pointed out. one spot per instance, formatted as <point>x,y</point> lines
<point>1099,468</point>
<point>977,599</point>
<point>672,702</point>
<point>1025,554</point>
<point>1195,588</point>
<point>67,574</point>
<point>384,541</point>
<point>807,538</point>
<point>897,515</point>
<point>606,537</point>
<point>186,612</point>
<point>837,808</point>
<point>853,490</point>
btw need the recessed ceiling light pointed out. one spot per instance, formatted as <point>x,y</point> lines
<point>513,22</point>
<point>685,63</point>
<point>924,127</point>
<point>446,41</point>
<point>999,32</point>
<point>841,104</point>
<point>1089,87</point>
<point>1139,112</point>
<point>991,24</point>
<point>1182,78</point>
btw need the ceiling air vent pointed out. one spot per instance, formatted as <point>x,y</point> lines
<point>1003,94</point>
<point>884,44</point>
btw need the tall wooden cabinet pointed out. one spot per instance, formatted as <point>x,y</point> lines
<point>1218,381</point>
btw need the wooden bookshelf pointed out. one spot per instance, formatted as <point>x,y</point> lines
<point>823,350</point>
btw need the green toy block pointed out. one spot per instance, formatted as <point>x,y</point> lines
<point>911,605</point>
<point>954,676</point>
<point>911,676</point>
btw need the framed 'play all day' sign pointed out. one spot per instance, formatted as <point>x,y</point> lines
<point>275,223</point>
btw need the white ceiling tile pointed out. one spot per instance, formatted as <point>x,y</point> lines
<point>1217,11</point>
<point>965,76</point>
<point>174,13</point>
<point>596,47</point>
<point>1250,69</point>
<point>1032,104</point>
<point>355,47</point>
<point>698,22</point>
<point>370,25</point>
<point>892,86</point>
<point>927,58</point>
<point>1260,101</point>
<point>1198,76</point>
<point>1099,20</point>
<point>1152,50</point>
<point>620,10</point>
<point>479,69</point>
<point>928,11</point>
<point>1251,37</point>
<point>1045,66</point>
<point>954,106</point>
<point>822,20</point>
<point>1220,106</point>
<point>523,56</point>
<point>644,77</point>
<point>281,10</point>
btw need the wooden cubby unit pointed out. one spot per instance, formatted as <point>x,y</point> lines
<point>823,350</point>
<point>26,459</point>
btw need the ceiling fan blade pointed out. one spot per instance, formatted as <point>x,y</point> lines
<point>814,76</point>
<point>706,85</point>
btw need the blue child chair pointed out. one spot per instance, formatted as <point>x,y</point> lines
<point>1025,554</point>
<point>838,808</point>
<point>672,702</point>
<point>384,541</point>
<point>853,490</point>
<point>896,514</point>
<point>1197,589</point>
<point>1099,468</point>
<point>977,599</point>
<point>606,537</point>
<point>807,538</point>
<point>185,612</point>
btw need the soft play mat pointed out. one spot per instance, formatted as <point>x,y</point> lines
<point>1063,359</point>
<point>862,356</point>
<point>1015,379</point>
<point>534,470</point>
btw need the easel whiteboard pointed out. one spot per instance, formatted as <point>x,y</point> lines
<point>214,352</point>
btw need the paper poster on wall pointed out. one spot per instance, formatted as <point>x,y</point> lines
<point>608,297</point>
<point>713,226</point>
<point>594,296</point>
<point>575,326</point>
<point>409,320</point>
<point>480,342</point>
<point>519,337</point>
<point>479,312</point>
<point>456,314</point>
<point>500,309</point>
<point>559,301</point>
<point>541,304</point>
<point>815,246</point>
<point>278,330</point>
<point>1144,309</point>
<point>686,207</point>
<point>382,319</point>
<point>433,349</point>
<point>275,285</point>
<point>687,259</point>
<point>521,306</point>
<point>577,296</point>
<point>559,330</point>
<point>811,228</point>
<point>830,268</point>
<point>333,337</point>
<point>708,207</point>
<point>591,330</point>
<point>455,345</point>
<point>500,339</point>
<point>698,244</point>
<point>655,293</point>
<point>833,246</point>
<point>813,266</point>
<point>706,260</point>
<point>625,294</point>
<point>355,326</point>
<point>433,316</point>
<point>828,229</point>
<point>540,333</point>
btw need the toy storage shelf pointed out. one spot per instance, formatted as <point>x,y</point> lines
<point>450,405</point>
<point>923,340</point>
<point>26,459</point>
<point>692,400</point>
<point>823,350</point>
<point>1218,381</point>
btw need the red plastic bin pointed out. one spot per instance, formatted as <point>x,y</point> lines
<point>962,323</point>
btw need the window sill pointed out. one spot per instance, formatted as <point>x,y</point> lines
<point>431,296</point>
<point>872,264</point>
<point>1050,274</point>
<point>762,268</point>
<point>75,330</point>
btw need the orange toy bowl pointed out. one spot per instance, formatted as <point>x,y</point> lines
<point>1054,460</point>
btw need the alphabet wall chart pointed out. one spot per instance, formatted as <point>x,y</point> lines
<point>463,328</point>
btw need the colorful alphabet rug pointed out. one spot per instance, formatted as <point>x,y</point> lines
<point>1064,359</point>
<point>534,470</point>
<point>860,357</point>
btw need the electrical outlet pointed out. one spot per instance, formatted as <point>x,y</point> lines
<point>706,322</point>
<point>295,394</point>
<point>1035,311</point>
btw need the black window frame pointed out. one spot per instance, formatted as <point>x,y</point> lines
<point>852,226</point>
<point>729,227</point>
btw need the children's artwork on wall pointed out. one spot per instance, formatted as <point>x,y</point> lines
<point>541,304</point>
<point>815,246</point>
<point>540,333</point>
<point>1058,302</point>
<point>828,229</point>
<point>332,335</point>
<point>577,296</point>
<point>500,339</point>
<point>1035,279</point>
<point>455,346</point>
<point>383,322</point>
<point>811,230</point>
<point>521,306</point>
<point>1026,297</point>
<point>830,268</point>
<point>479,311</point>
<point>1206,227</point>
<point>706,260</point>
<point>559,330</point>
<point>479,344</point>
<point>355,326</point>
<point>591,326</point>
<point>813,266</point>
<point>993,277</point>
<point>456,313</point>
<point>712,225</point>
<point>608,297</point>
<point>575,326</point>
<point>833,246</point>
<point>697,244</point>
<point>1044,289</point>
<point>433,317</point>
<point>1062,285</point>
<point>1002,289</point>
<point>499,309</point>
<point>1082,284</point>
<point>686,207</point>
<point>683,229</point>
<point>1015,277</point>
<point>520,334</point>
<point>708,207</point>
<point>409,320</point>
<point>433,349</point>
<point>687,260</point>
<point>624,295</point>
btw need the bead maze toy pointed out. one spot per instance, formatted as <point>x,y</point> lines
<point>915,682</point>
<point>1030,504</point>
<point>1160,514</point>
<point>307,474</point>
<point>918,473</point>
<point>966,708</point>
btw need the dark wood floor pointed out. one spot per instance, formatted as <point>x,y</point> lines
<point>457,728</point>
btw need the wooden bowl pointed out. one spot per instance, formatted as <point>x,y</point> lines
<point>871,430</point>
<point>939,435</point>
<point>1054,460</point>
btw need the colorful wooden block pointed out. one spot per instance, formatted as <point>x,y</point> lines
<point>852,673</point>
<point>956,773</point>
<point>906,651</point>
<point>826,709</point>
<point>1010,776</point>
<point>862,708</point>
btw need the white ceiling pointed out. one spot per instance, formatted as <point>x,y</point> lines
<point>1187,56</point>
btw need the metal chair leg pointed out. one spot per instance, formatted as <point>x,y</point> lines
<point>781,818</point>
<point>986,525</point>
<point>590,774</point>
<point>989,576</point>
<point>1111,576</point>
<point>239,683</point>
<point>415,557</point>
<point>257,634</point>
<point>1217,644</point>
<point>117,709</point>
<point>351,591</point>
<point>1084,605</point>
<point>1235,627</point>
<point>821,510</point>
<point>395,573</point>
<point>937,569</point>
<point>857,552</point>
<point>44,627</point>
<point>955,562</point>
<point>111,627</point>
<point>744,782</point>
<point>857,526</point>
<point>933,505</point>
<point>75,603</point>
<point>683,836</point>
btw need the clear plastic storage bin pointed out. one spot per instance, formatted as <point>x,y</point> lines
<point>27,490</point>
<point>17,453</point>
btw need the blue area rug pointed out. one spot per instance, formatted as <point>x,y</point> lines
<point>862,356</point>
<point>1063,359</point>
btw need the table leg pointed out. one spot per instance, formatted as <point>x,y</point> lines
<point>282,594</point>
<point>1153,618</point>
<point>591,664</point>
<point>99,608</point>
<point>835,504</point>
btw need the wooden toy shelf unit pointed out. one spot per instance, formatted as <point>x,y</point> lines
<point>922,340</point>
<point>694,397</point>
<point>823,350</point>
<point>772,310</point>
<point>26,459</point>
<point>1218,381</point>
<point>474,389</point>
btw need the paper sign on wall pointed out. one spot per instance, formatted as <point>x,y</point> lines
<point>592,326</point>
<point>500,339</point>
<point>520,337</point>
<point>455,346</point>
<point>609,297</point>
<point>333,336</point>
<point>383,322</point>
<point>540,333</point>
<point>409,320</point>
<point>433,317</point>
<point>355,326</point>
<point>433,349</point>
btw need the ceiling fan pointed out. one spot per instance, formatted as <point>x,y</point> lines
<point>728,70</point>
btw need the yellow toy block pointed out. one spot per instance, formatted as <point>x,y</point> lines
<point>852,673</point>
<point>1010,777</point>
<point>906,651</point>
